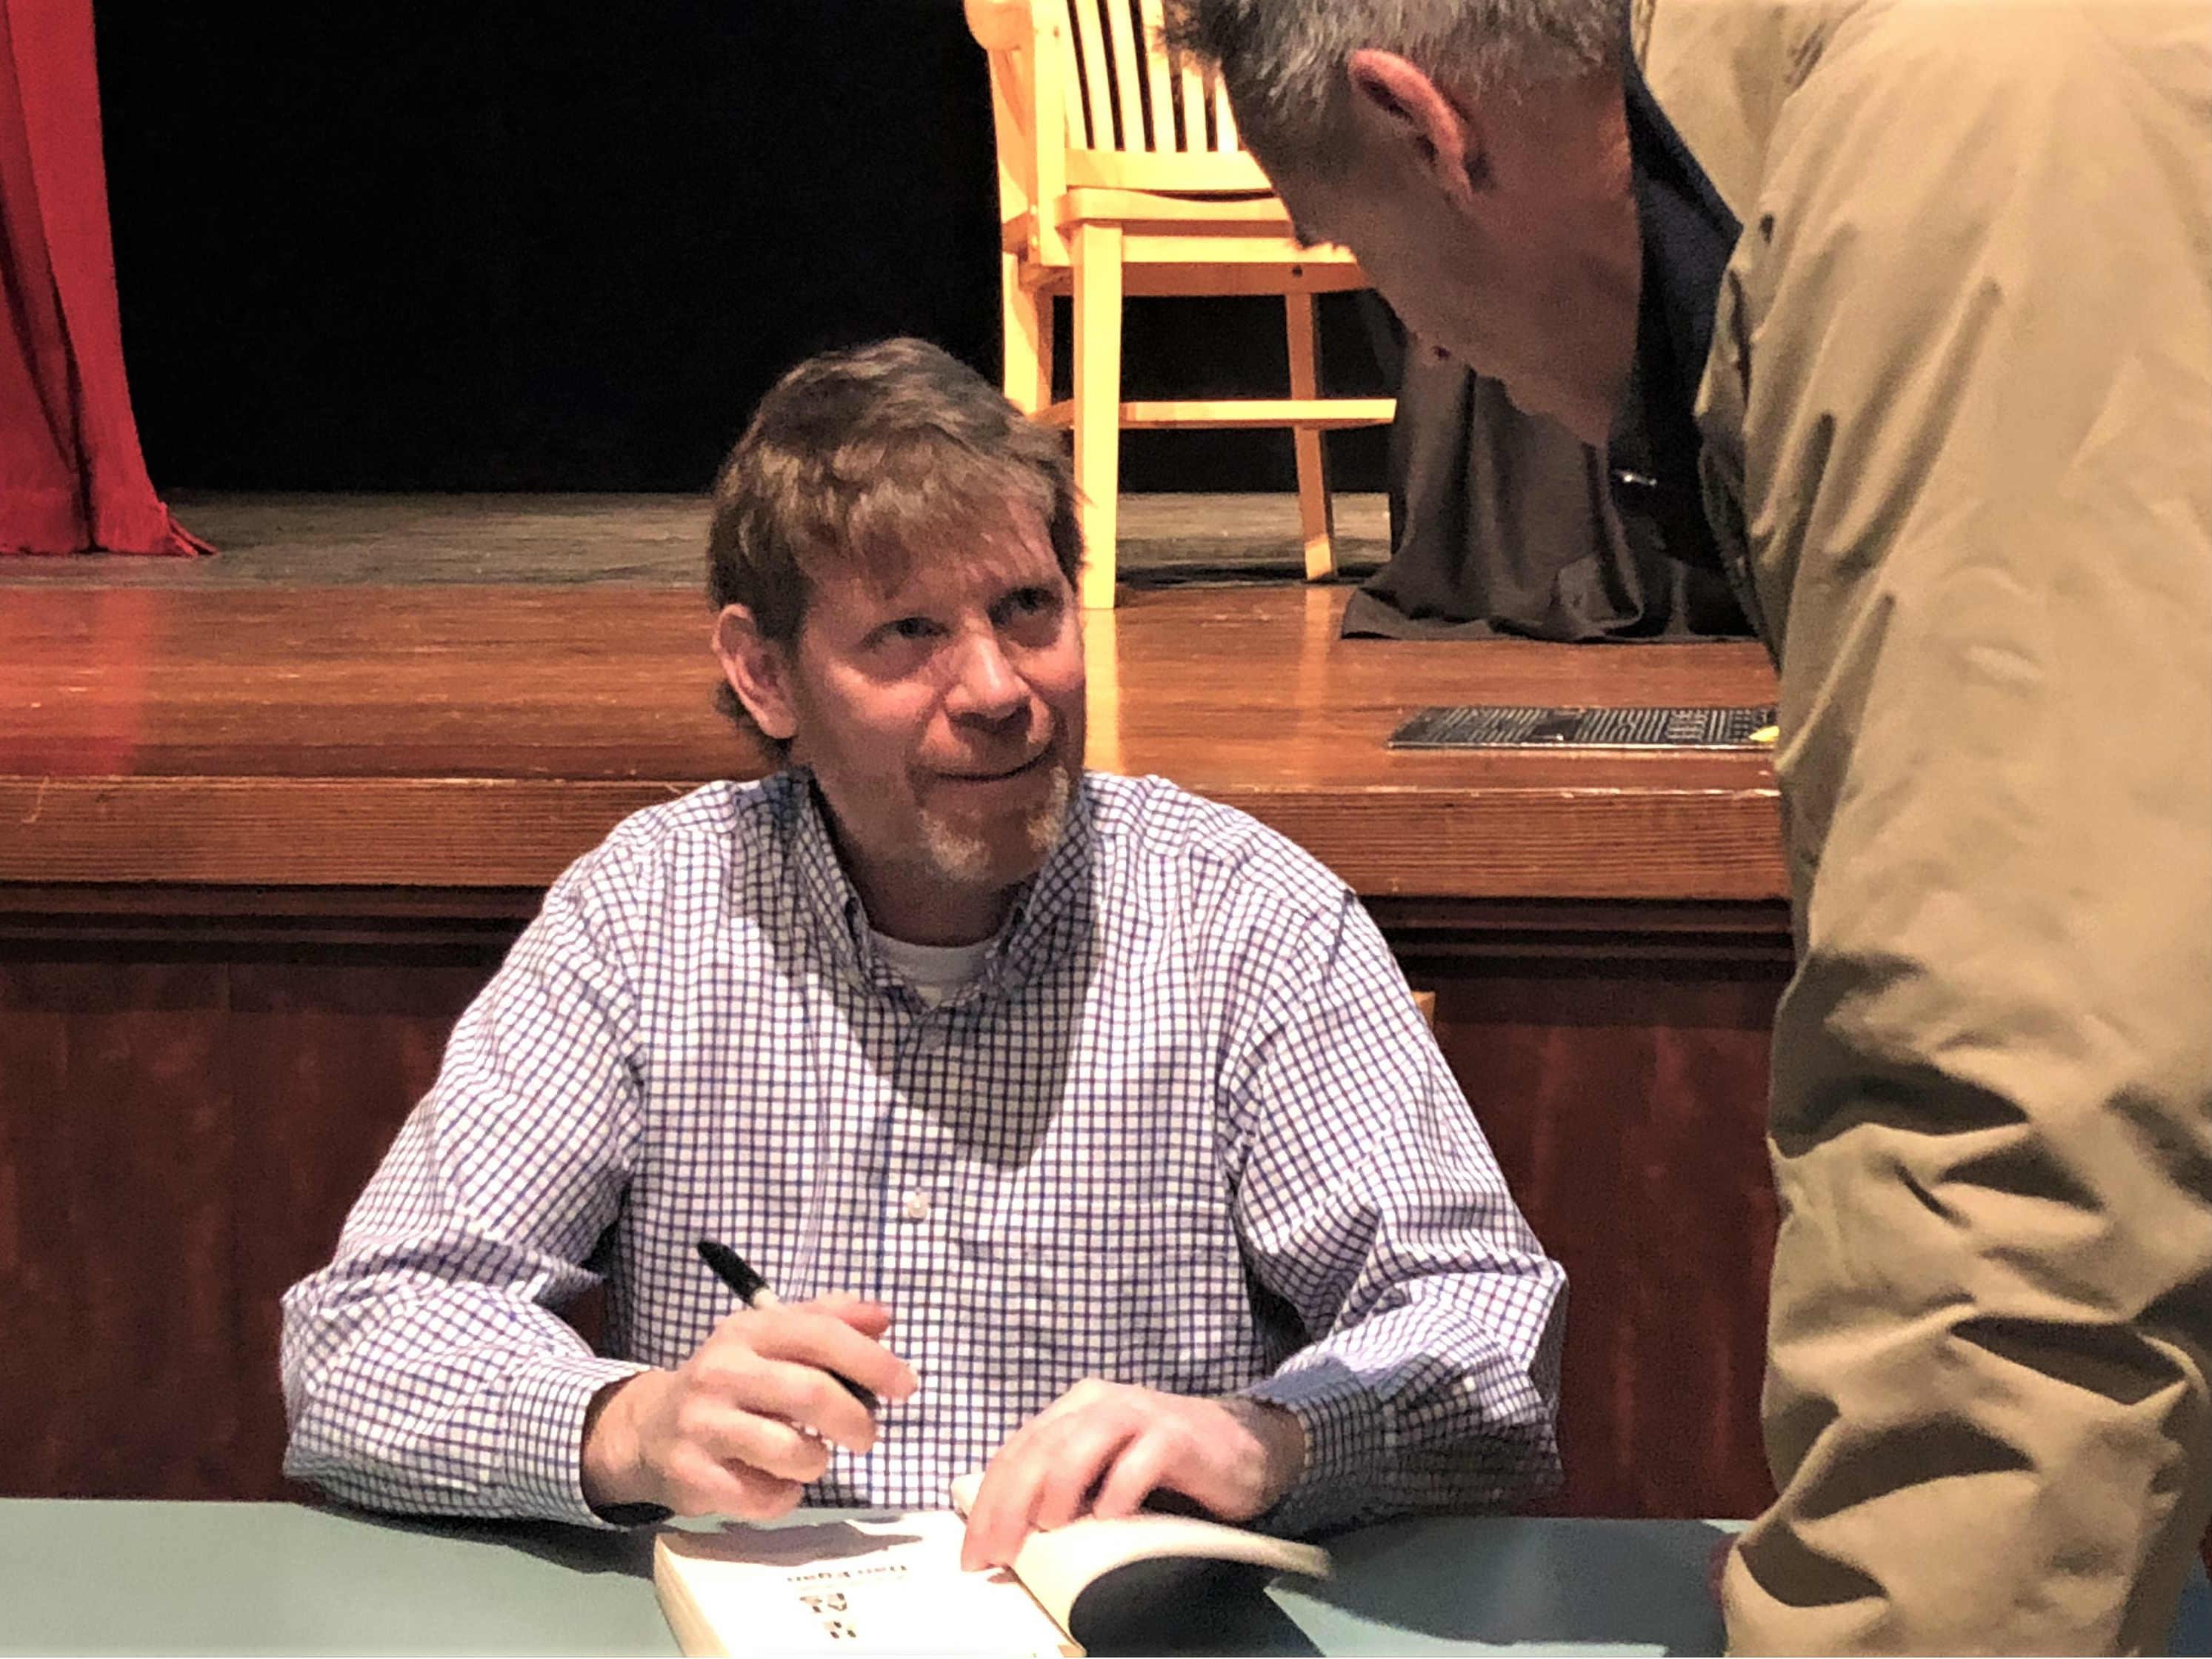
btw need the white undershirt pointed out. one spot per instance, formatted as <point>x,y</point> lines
<point>937,972</point>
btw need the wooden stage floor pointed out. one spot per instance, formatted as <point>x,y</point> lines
<point>357,702</point>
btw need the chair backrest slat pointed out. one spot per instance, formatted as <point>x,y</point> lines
<point>1128,81</point>
<point>1125,92</point>
<point>1225,124</point>
<point>1088,38</point>
<point>1160,96</point>
<point>1190,100</point>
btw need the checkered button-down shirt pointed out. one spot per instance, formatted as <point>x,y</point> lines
<point>1186,1130</point>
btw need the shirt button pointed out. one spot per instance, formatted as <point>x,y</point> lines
<point>915,1207</point>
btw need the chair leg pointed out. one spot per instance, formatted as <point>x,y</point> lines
<point>1096,255</point>
<point>1044,300</point>
<point>1101,661</point>
<point>1029,338</point>
<point>1316,513</point>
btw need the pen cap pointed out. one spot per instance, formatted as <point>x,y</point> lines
<point>730,1267</point>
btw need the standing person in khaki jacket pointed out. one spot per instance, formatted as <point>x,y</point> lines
<point>1936,279</point>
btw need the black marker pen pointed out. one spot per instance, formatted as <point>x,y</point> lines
<point>750,1288</point>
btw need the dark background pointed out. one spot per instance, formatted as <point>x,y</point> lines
<point>489,246</point>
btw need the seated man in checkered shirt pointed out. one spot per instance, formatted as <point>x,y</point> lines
<point>1089,1124</point>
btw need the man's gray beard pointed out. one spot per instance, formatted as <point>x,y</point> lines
<point>966,859</point>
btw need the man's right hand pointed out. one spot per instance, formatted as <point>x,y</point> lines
<point>750,1418</point>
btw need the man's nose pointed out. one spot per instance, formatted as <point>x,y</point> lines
<point>984,683</point>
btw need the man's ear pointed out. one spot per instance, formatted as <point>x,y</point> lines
<point>758,669</point>
<point>1401,106</point>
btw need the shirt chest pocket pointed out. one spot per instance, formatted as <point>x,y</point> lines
<point>1135,1276</point>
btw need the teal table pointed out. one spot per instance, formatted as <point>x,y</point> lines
<point>248,1578</point>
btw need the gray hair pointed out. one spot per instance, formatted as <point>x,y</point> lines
<point>1283,61</point>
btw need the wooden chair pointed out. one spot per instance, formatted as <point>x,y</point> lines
<point>1119,173</point>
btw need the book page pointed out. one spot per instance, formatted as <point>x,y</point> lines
<point>881,1583</point>
<point>1058,1566</point>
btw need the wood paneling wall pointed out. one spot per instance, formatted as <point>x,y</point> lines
<point>193,1101</point>
<point>186,1127</point>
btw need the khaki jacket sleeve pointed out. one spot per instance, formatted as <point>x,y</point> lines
<point>1959,397</point>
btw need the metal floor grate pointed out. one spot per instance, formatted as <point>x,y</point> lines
<point>1491,726</point>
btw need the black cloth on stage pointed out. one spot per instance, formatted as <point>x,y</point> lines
<point>1503,523</point>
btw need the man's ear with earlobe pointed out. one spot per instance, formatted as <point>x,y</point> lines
<point>759,671</point>
<point>1400,104</point>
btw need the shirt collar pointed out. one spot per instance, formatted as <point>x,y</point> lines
<point>1050,911</point>
<point>1688,234</point>
<point>1687,226</point>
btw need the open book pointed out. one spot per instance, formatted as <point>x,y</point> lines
<point>890,1582</point>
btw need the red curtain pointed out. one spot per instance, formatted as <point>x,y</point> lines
<point>72,478</point>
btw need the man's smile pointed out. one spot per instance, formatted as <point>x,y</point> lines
<point>1033,763</point>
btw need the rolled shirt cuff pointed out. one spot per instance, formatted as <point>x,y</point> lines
<point>1348,1442</point>
<point>545,1469</point>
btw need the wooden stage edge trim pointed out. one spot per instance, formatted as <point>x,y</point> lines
<point>1433,842</point>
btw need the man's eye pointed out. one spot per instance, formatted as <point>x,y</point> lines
<point>911,628</point>
<point>1029,601</point>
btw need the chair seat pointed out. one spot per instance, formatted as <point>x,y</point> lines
<point>1162,267</point>
<point>1156,213</point>
<point>1246,244</point>
<point>1173,173</point>
<point>1152,207</point>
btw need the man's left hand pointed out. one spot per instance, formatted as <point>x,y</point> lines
<point>1101,1447</point>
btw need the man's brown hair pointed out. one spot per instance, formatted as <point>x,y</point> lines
<point>865,460</point>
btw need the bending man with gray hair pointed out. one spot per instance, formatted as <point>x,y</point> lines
<point>1911,305</point>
